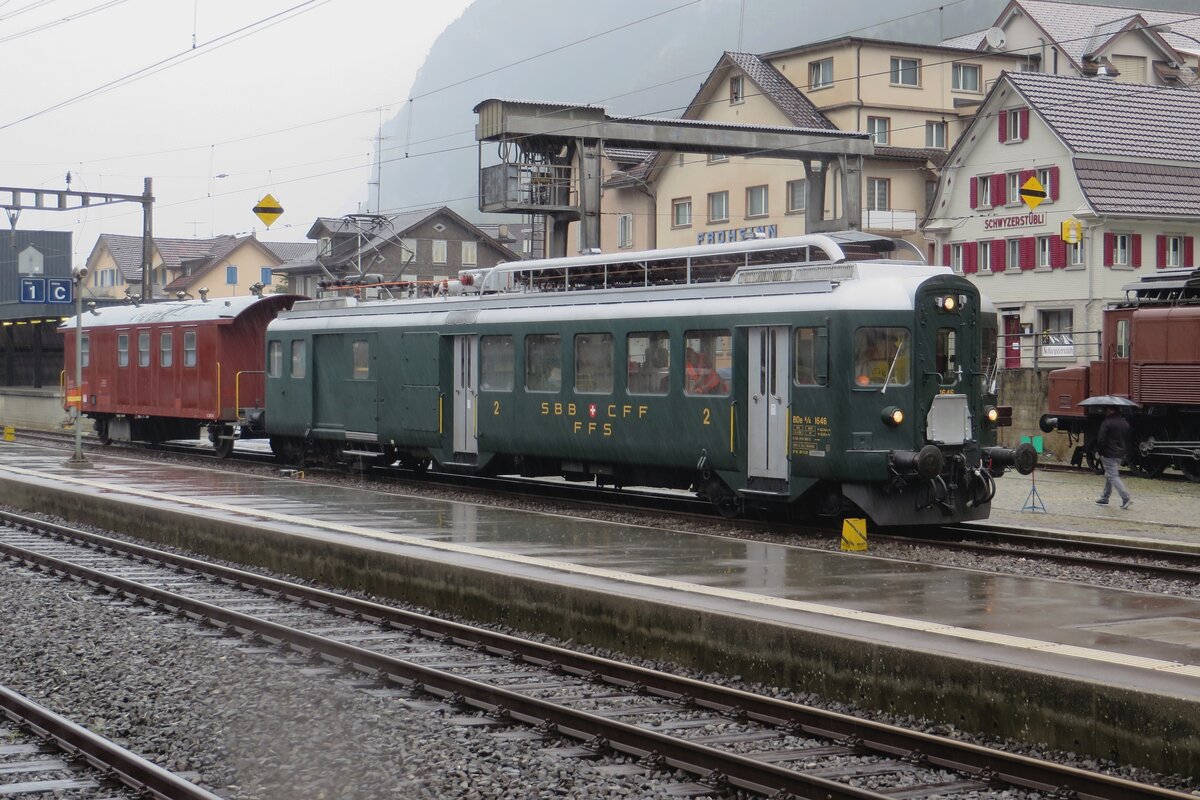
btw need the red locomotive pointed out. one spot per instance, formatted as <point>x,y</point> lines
<point>1150,355</point>
<point>170,370</point>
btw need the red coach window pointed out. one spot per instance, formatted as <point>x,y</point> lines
<point>122,349</point>
<point>143,348</point>
<point>189,348</point>
<point>166,353</point>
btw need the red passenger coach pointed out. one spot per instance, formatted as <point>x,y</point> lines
<point>169,370</point>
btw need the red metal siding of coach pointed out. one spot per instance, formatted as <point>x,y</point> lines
<point>226,374</point>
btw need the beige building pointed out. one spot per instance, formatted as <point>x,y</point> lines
<point>226,266</point>
<point>914,100</point>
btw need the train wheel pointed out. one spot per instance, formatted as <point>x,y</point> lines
<point>1142,463</point>
<point>1093,461</point>
<point>1190,467</point>
<point>102,432</point>
<point>287,451</point>
<point>387,457</point>
<point>724,500</point>
<point>222,440</point>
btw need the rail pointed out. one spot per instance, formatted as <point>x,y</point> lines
<point>1049,348</point>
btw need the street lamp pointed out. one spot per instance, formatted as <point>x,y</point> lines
<point>77,461</point>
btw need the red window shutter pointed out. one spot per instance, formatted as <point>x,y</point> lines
<point>1028,253</point>
<point>1000,190</point>
<point>998,255</point>
<point>971,257</point>
<point>974,192</point>
<point>1110,244</point>
<point>1024,112</point>
<point>1003,129</point>
<point>1054,183</point>
<point>945,255</point>
<point>1160,249</point>
<point>1189,252</point>
<point>1058,252</point>
<point>1135,244</point>
<point>1026,174</point>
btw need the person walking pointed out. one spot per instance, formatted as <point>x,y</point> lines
<point>1110,444</point>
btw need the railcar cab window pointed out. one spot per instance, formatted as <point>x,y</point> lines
<point>275,360</point>
<point>811,358</point>
<point>85,351</point>
<point>361,350</point>
<point>143,348</point>
<point>496,357</point>
<point>1122,343</point>
<point>189,348</point>
<point>594,363</point>
<point>299,358</point>
<point>946,358</point>
<point>166,349</point>
<point>707,362</point>
<point>543,362</point>
<point>649,363</point>
<point>122,349</point>
<point>878,351</point>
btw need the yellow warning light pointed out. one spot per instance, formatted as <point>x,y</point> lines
<point>893,416</point>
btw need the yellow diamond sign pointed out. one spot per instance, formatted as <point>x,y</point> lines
<point>1032,192</point>
<point>268,210</point>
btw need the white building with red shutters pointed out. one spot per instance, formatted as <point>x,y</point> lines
<point>1119,162</point>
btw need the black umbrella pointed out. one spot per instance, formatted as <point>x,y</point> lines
<point>1108,401</point>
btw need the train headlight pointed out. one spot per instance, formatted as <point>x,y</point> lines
<point>893,416</point>
<point>991,414</point>
<point>950,302</point>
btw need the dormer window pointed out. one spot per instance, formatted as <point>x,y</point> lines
<point>737,90</point>
<point>324,246</point>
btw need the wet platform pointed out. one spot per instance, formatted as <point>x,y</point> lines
<point>1082,668</point>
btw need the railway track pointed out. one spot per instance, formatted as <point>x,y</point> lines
<point>721,738</point>
<point>44,754</point>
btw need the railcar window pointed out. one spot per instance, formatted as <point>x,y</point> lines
<point>1122,343</point>
<point>594,363</point>
<point>946,358</point>
<point>708,362</point>
<point>496,359</point>
<point>649,357</point>
<point>85,351</point>
<point>143,348</point>
<point>990,355</point>
<point>362,359</point>
<point>166,350</point>
<point>878,350</point>
<point>275,360</point>
<point>189,348</point>
<point>299,359</point>
<point>543,362</point>
<point>122,349</point>
<point>811,356</point>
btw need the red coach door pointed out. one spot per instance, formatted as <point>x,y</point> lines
<point>1012,341</point>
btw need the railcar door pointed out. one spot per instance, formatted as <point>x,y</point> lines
<point>768,364</point>
<point>466,394</point>
<point>1012,341</point>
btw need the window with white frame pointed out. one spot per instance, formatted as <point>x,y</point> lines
<point>985,256</point>
<point>1120,254</point>
<point>1075,254</point>
<point>820,73</point>
<point>1014,124</point>
<point>983,191</point>
<point>1044,251</point>
<point>906,71</point>
<point>625,230</point>
<point>879,128</point>
<point>439,251</point>
<point>879,194</point>
<point>756,201</point>
<point>717,159</point>
<point>1012,255</point>
<point>1056,326</point>
<point>1014,188</point>
<point>797,195</point>
<point>470,254</point>
<point>718,207</point>
<point>1173,251</point>
<point>681,212</point>
<point>737,92</point>
<point>957,256</point>
<point>965,77</point>
<point>1046,179</point>
<point>935,134</point>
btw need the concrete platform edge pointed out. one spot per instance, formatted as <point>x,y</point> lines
<point>1154,731</point>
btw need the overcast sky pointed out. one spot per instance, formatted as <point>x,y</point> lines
<point>279,96</point>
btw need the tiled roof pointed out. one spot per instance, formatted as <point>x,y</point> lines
<point>292,251</point>
<point>1124,187</point>
<point>780,91</point>
<point>967,41</point>
<point>127,251</point>
<point>922,154</point>
<point>1099,117</point>
<point>627,155</point>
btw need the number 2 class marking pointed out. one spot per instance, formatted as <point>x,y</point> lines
<point>495,408</point>
<point>708,416</point>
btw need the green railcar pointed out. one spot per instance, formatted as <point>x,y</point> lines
<point>838,387</point>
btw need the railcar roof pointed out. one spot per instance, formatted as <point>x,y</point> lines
<point>175,311</point>
<point>866,286</point>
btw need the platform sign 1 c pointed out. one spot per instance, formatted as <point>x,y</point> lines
<point>33,290</point>
<point>268,209</point>
<point>59,290</point>
<point>854,535</point>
